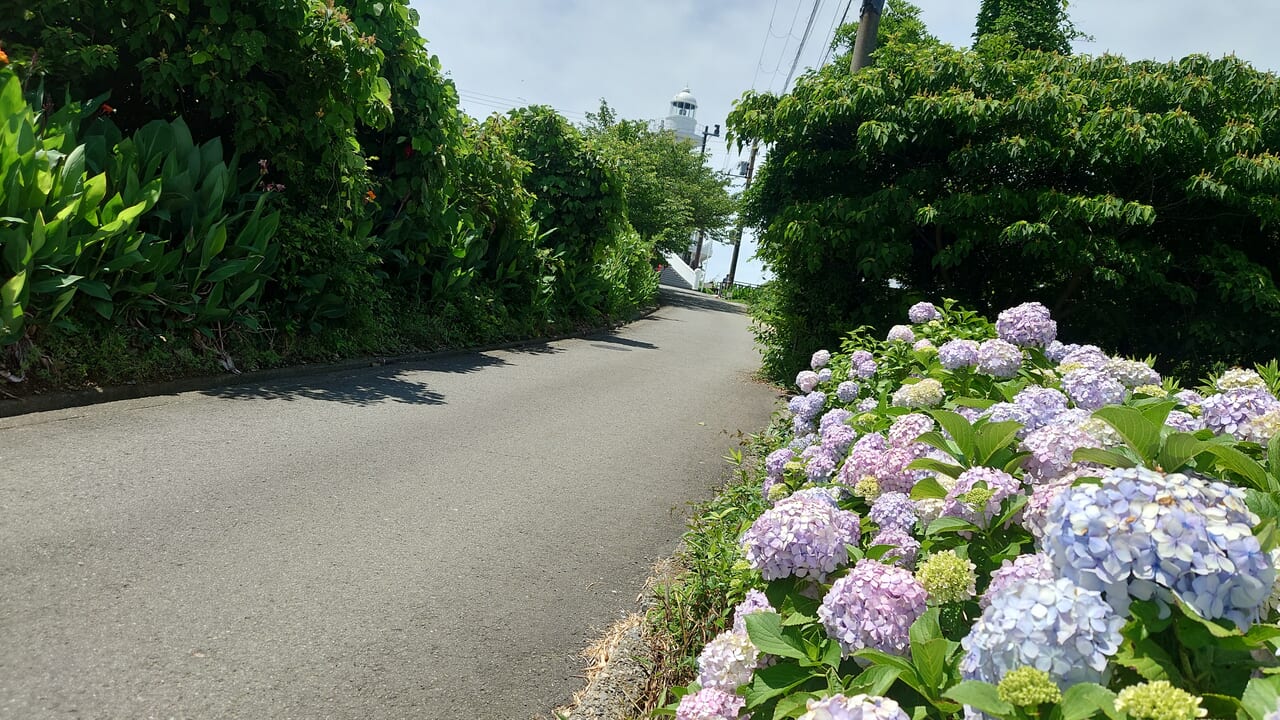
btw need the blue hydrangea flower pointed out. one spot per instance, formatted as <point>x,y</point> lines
<point>834,417</point>
<point>820,359</point>
<point>906,548</point>
<point>1041,404</point>
<point>1143,535</point>
<point>1091,389</point>
<point>1051,448</point>
<point>800,426</point>
<point>1026,325</point>
<point>1053,625</point>
<point>923,312</point>
<point>1228,412</point>
<point>1013,573</point>
<point>824,375</point>
<point>1004,411</point>
<point>924,344</point>
<point>893,510</point>
<point>868,405</point>
<point>754,602</point>
<point>800,442</point>
<point>901,333</point>
<point>858,707</point>
<point>873,606</point>
<point>710,704</point>
<point>847,391</point>
<point>1189,398</point>
<point>862,365</point>
<point>998,358</point>
<point>956,354</point>
<point>801,536</point>
<point>819,463</point>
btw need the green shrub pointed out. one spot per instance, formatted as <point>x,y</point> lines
<point>1092,185</point>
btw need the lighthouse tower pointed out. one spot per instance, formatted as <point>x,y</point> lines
<point>681,116</point>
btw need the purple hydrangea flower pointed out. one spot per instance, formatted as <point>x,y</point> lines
<point>1036,512</point>
<point>1055,351</point>
<point>834,417</point>
<point>801,536</point>
<point>800,426</point>
<point>838,439</point>
<point>1132,373</point>
<point>907,428</point>
<point>923,312</point>
<point>1227,413</point>
<point>893,510</point>
<point>807,380</point>
<point>924,344</point>
<point>862,365</point>
<point>858,707</point>
<point>1051,448</point>
<point>906,548</point>
<point>969,413</point>
<point>1041,404</point>
<point>800,442</point>
<point>770,482</point>
<point>1144,535</point>
<point>1012,573</point>
<point>1090,356</point>
<point>868,405</point>
<point>847,391</point>
<point>863,458</point>
<point>1027,325</point>
<point>776,461</point>
<point>1091,389</point>
<point>955,354</point>
<point>727,662</point>
<point>710,704</point>
<point>824,375</point>
<point>1005,411</point>
<point>873,606</point>
<point>1189,397</point>
<point>1183,422</point>
<point>820,359</point>
<point>754,602</point>
<point>998,358</point>
<point>819,463</point>
<point>901,333</point>
<point>1052,625</point>
<point>968,501</point>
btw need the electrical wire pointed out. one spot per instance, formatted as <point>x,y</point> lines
<point>831,33</point>
<point>803,41</point>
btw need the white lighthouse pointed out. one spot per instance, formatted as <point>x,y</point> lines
<point>681,116</point>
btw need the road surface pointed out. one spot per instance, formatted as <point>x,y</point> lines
<point>436,540</point>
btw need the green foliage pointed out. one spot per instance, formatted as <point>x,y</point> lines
<point>1096,186</point>
<point>578,198</point>
<point>132,229</point>
<point>671,194</point>
<point>1032,24</point>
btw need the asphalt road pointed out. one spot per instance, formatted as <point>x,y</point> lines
<point>437,540</point>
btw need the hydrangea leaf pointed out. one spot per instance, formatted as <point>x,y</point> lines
<point>766,633</point>
<point>993,437</point>
<point>875,680</point>
<point>979,696</point>
<point>929,488</point>
<point>1261,697</point>
<point>1139,432</point>
<point>930,659</point>
<point>1085,700</point>
<point>775,680</point>
<point>1109,458</point>
<point>959,429</point>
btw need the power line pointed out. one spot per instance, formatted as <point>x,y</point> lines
<point>790,34</point>
<point>768,31</point>
<point>831,34</point>
<point>803,40</point>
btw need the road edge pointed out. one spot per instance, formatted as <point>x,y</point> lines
<point>31,404</point>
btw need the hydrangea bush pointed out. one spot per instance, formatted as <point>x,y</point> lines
<point>980,520</point>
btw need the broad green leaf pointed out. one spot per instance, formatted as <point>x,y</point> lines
<point>936,466</point>
<point>1261,697</point>
<point>979,696</point>
<point>930,659</point>
<point>1273,458</point>
<point>775,680</point>
<point>1156,413</point>
<point>792,706</point>
<point>959,429</point>
<point>926,627</point>
<point>1179,447</point>
<point>950,524</point>
<point>1236,461</point>
<point>1140,433</point>
<point>929,489</point>
<point>875,680</point>
<point>1109,458</point>
<point>1085,700</point>
<point>991,437</point>
<point>766,633</point>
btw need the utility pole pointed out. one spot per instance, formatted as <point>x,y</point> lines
<point>737,239</point>
<point>868,26</point>
<point>706,132</point>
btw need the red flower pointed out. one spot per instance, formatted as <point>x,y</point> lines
<point>107,109</point>
<point>408,151</point>
<point>4,59</point>
<point>370,196</point>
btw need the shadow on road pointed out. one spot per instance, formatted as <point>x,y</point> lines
<point>362,388</point>
<point>616,342</point>
<point>698,301</point>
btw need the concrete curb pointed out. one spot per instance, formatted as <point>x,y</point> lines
<point>94,396</point>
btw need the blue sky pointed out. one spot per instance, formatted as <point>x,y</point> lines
<point>570,53</point>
